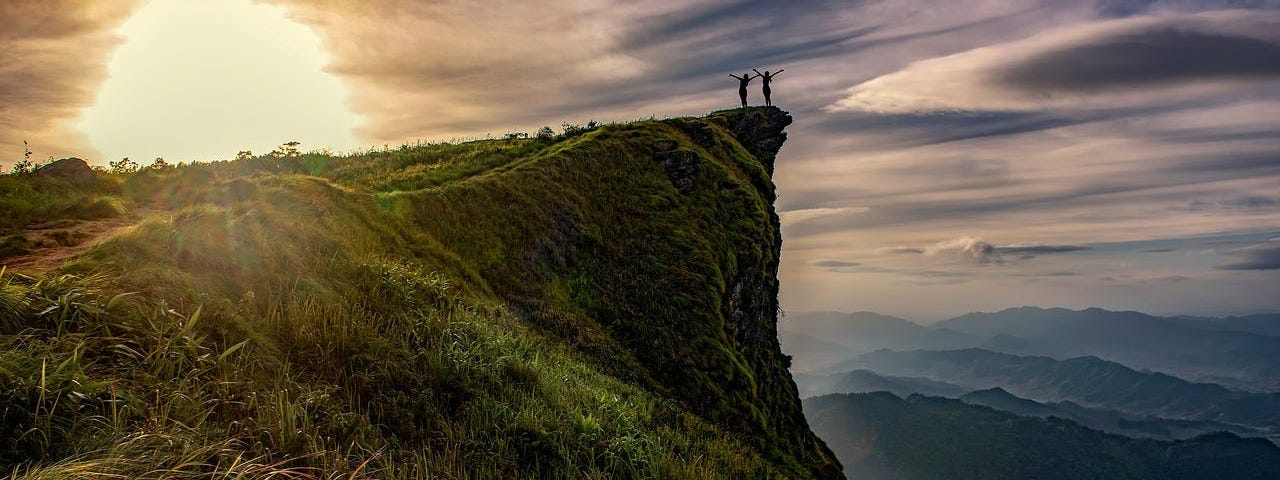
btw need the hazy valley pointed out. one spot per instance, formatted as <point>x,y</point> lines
<point>1068,368</point>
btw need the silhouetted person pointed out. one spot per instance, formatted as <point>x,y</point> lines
<point>767,77</point>
<point>742,86</point>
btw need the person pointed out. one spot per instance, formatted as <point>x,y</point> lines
<point>767,77</point>
<point>742,86</point>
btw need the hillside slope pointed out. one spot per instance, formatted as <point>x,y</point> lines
<point>599,304</point>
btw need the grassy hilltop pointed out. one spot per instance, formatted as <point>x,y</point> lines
<point>600,304</point>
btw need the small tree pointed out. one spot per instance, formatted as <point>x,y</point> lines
<point>123,166</point>
<point>244,155</point>
<point>287,150</point>
<point>160,164</point>
<point>25,166</point>
<point>572,130</point>
<point>546,133</point>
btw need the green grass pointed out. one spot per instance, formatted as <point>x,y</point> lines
<point>30,198</point>
<point>497,309</point>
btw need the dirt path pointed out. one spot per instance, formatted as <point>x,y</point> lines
<point>50,244</point>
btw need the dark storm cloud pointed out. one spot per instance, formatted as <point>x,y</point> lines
<point>1103,64</point>
<point>912,130</point>
<point>901,130</point>
<point>53,57</point>
<point>1159,55</point>
<point>1252,163</point>
<point>1125,8</point>
<point>1264,256</point>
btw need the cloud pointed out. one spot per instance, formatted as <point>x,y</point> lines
<point>1101,65</point>
<point>452,67</point>
<point>53,56</point>
<point>966,249</point>
<point>933,276</point>
<point>1252,202</point>
<point>461,68</point>
<point>1263,256</point>
<point>900,251</point>
<point>835,264</point>
<point>793,217</point>
<point>976,251</point>
<point>1036,249</point>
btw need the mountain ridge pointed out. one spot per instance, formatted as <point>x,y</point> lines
<point>1234,351</point>
<point>883,436</point>
<point>1089,381</point>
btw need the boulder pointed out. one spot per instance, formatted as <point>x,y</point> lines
<point>73,170</point>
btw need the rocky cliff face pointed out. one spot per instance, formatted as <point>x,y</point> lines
<point>752,297</point>
<point>749,292</point>
<point>654,247</point>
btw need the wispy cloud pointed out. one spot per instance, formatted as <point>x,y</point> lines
<point>836,264</point>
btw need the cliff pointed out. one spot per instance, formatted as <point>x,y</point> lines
<point>599,303</point>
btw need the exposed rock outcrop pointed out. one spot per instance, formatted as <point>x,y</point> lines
<point>760,130</point>
<point>73,170</point>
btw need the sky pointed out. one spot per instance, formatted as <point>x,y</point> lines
<point>946,157</point>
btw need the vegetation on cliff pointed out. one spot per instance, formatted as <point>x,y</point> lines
<point>595,305</point>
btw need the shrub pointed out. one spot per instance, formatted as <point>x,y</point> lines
<point>124,166</point>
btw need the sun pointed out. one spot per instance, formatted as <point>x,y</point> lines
<point>204,80</point>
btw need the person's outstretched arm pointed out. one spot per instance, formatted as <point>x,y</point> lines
<point>777,72</point>
<point>735,76</point>
<point>757,72</point>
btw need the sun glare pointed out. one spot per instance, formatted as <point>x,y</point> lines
<point>202,80</point>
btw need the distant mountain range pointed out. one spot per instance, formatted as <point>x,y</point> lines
<point>1110,421</point>
<point>1088,381</point>
<point>1042,393</point>
<point>1200,351</point>
<point>1267,324</point>
<point>1241,353</point>
<point>884,437</point>
<point>865,381</point>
